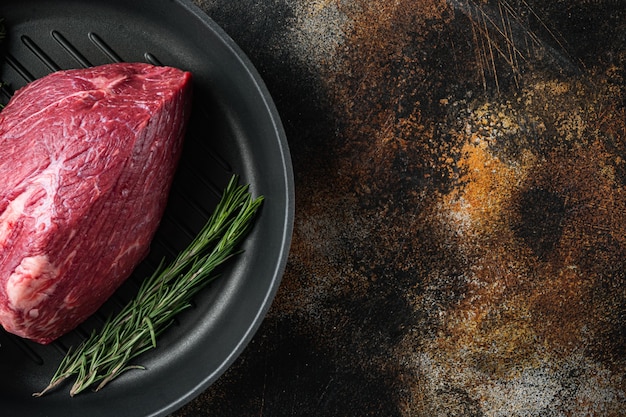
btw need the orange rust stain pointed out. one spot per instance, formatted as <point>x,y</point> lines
<point>486,186</point>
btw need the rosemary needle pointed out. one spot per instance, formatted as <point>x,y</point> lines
<point>106,354</point>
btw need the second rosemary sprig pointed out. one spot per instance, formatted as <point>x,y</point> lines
<point>106,354</point>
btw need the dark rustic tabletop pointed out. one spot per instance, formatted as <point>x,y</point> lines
<point>460,233</point>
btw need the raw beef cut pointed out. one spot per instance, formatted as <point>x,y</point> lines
<point>86,161</point>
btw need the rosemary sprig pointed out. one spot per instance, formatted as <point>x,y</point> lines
<point>106,354</point>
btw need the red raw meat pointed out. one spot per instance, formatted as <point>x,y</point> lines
<point>86,161</point>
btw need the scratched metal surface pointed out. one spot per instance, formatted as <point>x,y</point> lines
<point>460,236</point>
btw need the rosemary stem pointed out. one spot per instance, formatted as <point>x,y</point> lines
<point>105,354</point>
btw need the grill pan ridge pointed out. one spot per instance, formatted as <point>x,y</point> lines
<point>234,128</point>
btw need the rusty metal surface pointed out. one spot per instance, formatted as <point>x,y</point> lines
<point>460,235</point>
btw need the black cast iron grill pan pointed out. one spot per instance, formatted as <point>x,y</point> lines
<point>234,128</point>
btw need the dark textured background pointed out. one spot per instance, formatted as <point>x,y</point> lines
<point>460,233</point>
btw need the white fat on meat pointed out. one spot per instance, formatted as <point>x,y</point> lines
<point>32,282</point>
